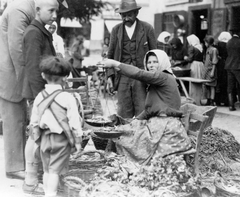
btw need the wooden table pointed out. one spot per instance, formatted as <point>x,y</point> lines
<point>195,88</point>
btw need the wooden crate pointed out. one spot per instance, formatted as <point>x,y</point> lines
<point>209,111</point>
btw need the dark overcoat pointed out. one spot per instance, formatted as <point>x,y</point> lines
<point>37,44</point>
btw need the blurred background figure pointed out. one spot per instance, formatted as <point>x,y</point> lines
<point>210,70</point>
<point>180,34</point>
<point>77,50</point>
<point>195,56</point>
<point>178,52</point>
<point>105,47</point>
<point>221,89</point>
<point>162,42</point>
<point>58,42</point>
<point>232,64</point>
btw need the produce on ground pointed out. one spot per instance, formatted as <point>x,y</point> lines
<point>164,176</point>
<point>219,151</point>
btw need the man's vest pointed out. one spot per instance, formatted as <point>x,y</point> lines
<point>129,48</point>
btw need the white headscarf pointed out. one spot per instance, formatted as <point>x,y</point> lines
<point>162,36</point>
<point>195,42</point>
<point>163,60</point>
<point>58,42</point>
<point>224,36</point>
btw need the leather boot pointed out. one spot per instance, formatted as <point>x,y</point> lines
<point>211,102</point>
<point>231,102</point>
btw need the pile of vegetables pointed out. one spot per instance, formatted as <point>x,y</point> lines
<point>169,172</point>
<point>218,150</point>
<point>168,175</point>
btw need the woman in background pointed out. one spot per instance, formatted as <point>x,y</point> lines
<point>221,89</point>
<point>178,52</point>
<point>195,56</point>
<point>162,42</point>
<point>57,40</point>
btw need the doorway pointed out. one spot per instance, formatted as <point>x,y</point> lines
<point>235,18</point>
<point>199,21</point>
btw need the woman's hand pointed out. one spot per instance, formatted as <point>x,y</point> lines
<point>109,63</point>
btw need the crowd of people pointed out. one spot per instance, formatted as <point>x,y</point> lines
<point>33,75</point>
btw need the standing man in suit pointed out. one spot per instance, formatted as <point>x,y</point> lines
<point>232,64</point>
<point>129,42</point>
<point>15,19</point>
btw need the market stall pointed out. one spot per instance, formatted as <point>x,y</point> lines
<point>112,172</point>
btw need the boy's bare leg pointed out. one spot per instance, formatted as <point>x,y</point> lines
<point>51,185</point>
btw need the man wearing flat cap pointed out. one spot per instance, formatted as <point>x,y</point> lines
<point>129,42</point>
<point>15,19</point>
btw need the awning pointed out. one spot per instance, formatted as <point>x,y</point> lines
<point>111,23</point>
<point>67,22</point>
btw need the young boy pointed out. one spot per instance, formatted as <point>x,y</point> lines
<point>55,113</point>
<point>37,43</point>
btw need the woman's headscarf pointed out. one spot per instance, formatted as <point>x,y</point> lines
<point>177,42</point>
<point>195,42</point>
<point>224,36</point>
<point>163,60</point>
<point>58,42</point>
<point>162,36</point>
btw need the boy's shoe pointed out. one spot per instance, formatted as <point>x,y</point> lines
<point>33,189</point>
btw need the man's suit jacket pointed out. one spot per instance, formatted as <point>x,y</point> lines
<point>37,44</point>
<point>233,50</point>
<point>14,21</point>
<point>145,41</point>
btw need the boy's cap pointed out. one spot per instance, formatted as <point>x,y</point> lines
<point>64,3</point>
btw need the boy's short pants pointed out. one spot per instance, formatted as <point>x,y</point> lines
<point>55,152</point>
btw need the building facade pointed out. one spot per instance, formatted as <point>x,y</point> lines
<point>199,17</point>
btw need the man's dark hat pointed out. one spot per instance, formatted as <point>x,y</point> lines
<point>127,5</point>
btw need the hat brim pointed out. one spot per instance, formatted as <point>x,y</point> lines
<point>64,3</point>
<point>119,10</point>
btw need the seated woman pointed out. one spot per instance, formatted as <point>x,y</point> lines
<point>158,127</point>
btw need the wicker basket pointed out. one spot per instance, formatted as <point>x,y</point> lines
<point>84,142</point>
<point>222,191</point>
<point>99,143</point>
<point>88,160</point>
<point>72,183</point>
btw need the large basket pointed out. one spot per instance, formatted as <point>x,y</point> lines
<point>221,190</point>
<point>84,142</point>
<point>73,182</point>
<point>99,143</point>
<point>88,160</point>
